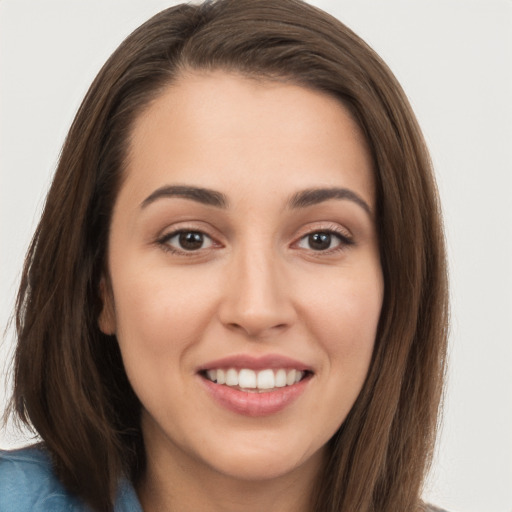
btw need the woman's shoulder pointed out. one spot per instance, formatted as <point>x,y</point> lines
<point>28,483</point>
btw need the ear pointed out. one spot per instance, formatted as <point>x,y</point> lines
<point>107,316</point>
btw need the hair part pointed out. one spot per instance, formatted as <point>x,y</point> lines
<point>70,384</point>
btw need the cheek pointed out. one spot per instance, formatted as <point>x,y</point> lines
<point>160,315</point>
<point>344,316</point>
<point>161,318</point>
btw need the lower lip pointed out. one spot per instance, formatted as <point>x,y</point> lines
<point>255,404</point>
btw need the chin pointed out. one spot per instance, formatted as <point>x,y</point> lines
<point>260,463</point>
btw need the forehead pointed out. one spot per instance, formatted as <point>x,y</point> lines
<point>213,129</point>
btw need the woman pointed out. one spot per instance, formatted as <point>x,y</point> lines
<point>236,296</point>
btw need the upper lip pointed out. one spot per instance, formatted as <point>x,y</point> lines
<point>273,361</point>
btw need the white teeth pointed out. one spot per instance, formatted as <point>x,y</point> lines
<point>232,377</point>
<point>250,379</point>
<point>221,376</point>
<point>266,379</point>
<point>280,378</point>
<point>247,379</point>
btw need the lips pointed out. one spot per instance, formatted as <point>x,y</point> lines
<point>255,386</point>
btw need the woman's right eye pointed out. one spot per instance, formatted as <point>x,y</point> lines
<point>186,241</point>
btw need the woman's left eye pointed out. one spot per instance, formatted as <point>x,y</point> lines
<point>322,241</point>
<point>187,241</point>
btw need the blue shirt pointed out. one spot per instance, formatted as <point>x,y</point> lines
<point>28,484</point>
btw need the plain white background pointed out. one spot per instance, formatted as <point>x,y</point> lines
<point>454,59</point>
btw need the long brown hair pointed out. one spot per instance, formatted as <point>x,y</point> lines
<point>70,385</point>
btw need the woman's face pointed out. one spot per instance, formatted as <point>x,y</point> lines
<point>245,274</point>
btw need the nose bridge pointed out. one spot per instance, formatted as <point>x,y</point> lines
<point>256,297</point>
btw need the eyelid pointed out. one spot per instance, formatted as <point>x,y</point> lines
<point>162,239</point>
<point>170,236</point>
<point>344,236</point>
<point>332,227</point>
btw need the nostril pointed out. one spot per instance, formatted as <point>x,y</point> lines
<point>256,318</point>
<point>257,330</point>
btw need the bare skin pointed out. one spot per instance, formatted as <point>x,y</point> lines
<point>191,487</point>
<point>243,232</point>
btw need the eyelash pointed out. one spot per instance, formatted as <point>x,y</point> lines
<point>344,241</point>
<point>164,242</point>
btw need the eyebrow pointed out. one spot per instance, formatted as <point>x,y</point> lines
<point>198,194</point>
<point>302,199</point>
<point>310,197</point>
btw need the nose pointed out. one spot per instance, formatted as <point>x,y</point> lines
<point>257,294</point>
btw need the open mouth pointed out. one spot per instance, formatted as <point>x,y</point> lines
<point>251,381</point>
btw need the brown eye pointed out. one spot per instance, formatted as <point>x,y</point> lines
<point>189,240</point>
<point>321,241</point>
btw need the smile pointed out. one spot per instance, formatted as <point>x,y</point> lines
<point>255,385</point>
<point>249,380</point>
